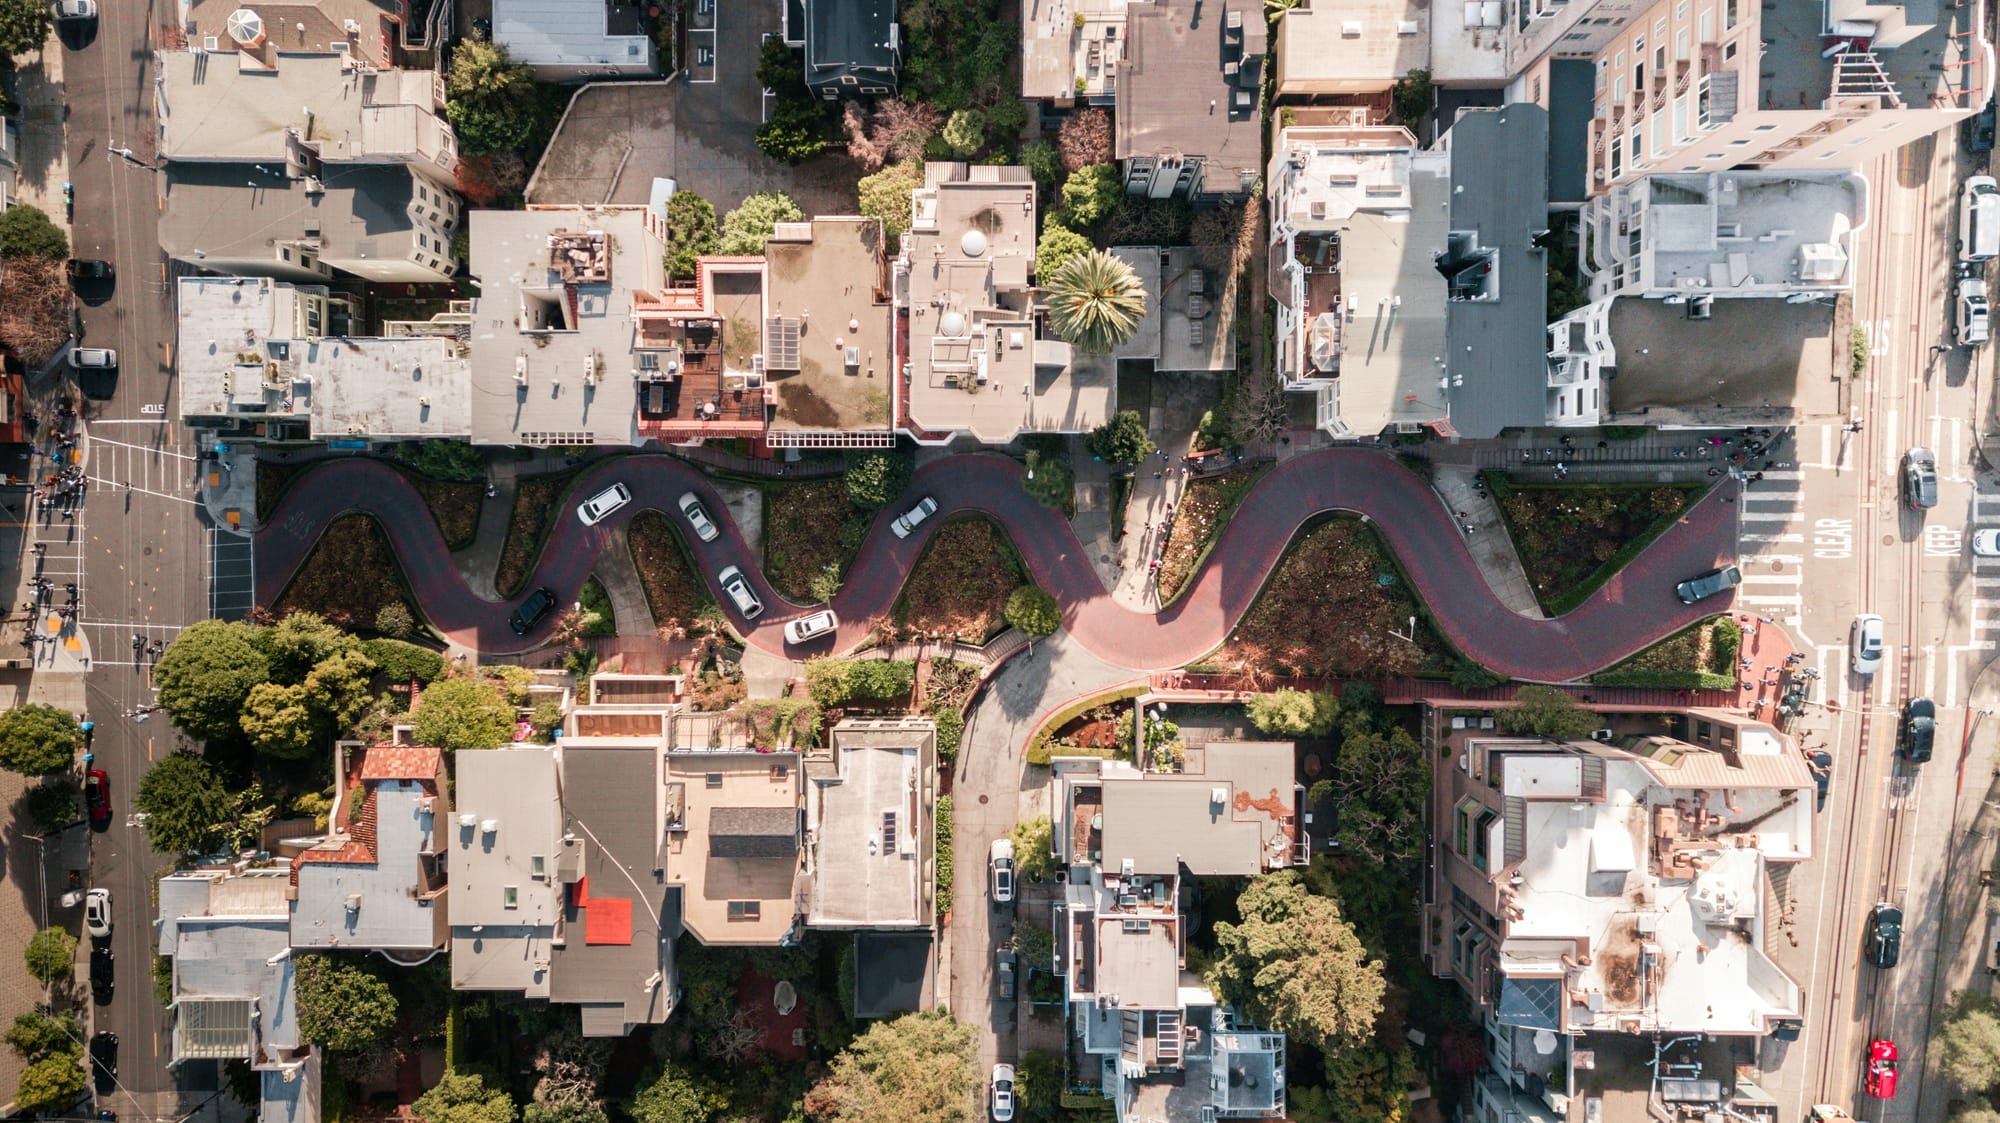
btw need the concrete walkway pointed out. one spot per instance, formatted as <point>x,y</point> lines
<point>1491,549</point>
<point>480,561</point>
<point>620,579</point>
<point>1092,521</point>
<point>1156,489</point>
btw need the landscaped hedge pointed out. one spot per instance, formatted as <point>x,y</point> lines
<point>941,833</point>
<point>1039,749</point>
<point>1665,680</point>
<point>832,681</point>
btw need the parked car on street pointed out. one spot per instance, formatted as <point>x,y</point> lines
<point>531,612</point>
<point>594,509</point>
<point>697,517</point>
<point>1885,935</point>
<point>100,973</point>
<point>1003,974</point>
<point>97,913</point>
<point>911,519</point>
<point>1003,1093</point>
<point>1001,862</point>
<point>1918,730</point>
<point>1970,326</point>
<point>93,358</point>
<point>1709,584</point>
<point>75,9</point>
<point>1864,643</point>
<point>104,1061</point>
<point>738,588</point>
<point>97,796</point>
<point>85,270</point>
<point>1986,543</point>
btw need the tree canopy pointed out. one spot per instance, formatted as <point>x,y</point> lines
<point>1968,1040</point>
<point>1095,302</point>
<point>443,460</point>
<point>886,195</point>
<point>347,1008</point>
<point>24,27</point>
<point>965,132</point>
<point>491,100</point>
<point>1286,712</point>
<point>27,231</point>
<point>676,1094</point>
<point>1034,610</point>
<point>51,955</point>
<point>36,1034</point>
<point>914,1069</point>
<point>1057,246</point>
<point>463,713</point>
<point>1032,844</point>
<point>877,479</point>
<point>464,1097</point>
<point>1546,712</point>
<point>1379,781</point>
<point>1295,965</point>
<point>690,233</point>
<point>50,1084</point>
<point>1090,194</point>
<point>38,739</point>
<point>207,673</point>
<point>746,228</point>
<point>185,804</point>
<point>1121,440</point>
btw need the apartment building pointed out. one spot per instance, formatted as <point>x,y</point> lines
<point>258,359</point>
<point>371,31</point>
<point>1189,122</point>
<point>1362,47</point>
<point>965,318</point>
<point>829,346</point>
<point>1409,284</point>
<point>1165,1047</point>
<point>576,40</point>
<point>1588,891</point>
<point>303,166</point>
<point>1682,267</point>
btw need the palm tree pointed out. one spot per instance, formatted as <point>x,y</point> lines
<point>1095,301</point>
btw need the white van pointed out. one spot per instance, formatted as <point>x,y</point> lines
<point>1979,220</point>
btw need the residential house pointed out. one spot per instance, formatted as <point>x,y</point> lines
<point>829,336</point>
<point>1410,284</point>
<point>232,995</point>
<point>373,32</point>
<point>1166,1048</point>
<point>1071,50</point>
<point>557,357</point>
<point>1189,88</point>
<point>1681,267</point>
<point>735,843</point>
<point>507,914</point>
<point>1355,48</point>
<point>576,40</point>
<point>1190,318</point>
<point>853,48</point>
<point>303,167</point>
<point>965,318</point>
<point>258,359</point>
<point>376,881</point>
<point>696,354</point>
<point>1588,891</point>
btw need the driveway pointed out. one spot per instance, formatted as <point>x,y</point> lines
<point>698,128</point>
<point>1635,608</point>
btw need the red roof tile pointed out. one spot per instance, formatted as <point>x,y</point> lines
<point>400,762</point>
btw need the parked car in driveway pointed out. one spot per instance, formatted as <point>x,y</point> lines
<point>97,796</point>
<point>1918,730</point>
<point>97,912</point>
<point>911,519</point>
<point>530,612</point>
<point>1880,1080</point>
<point>594,509</point>
<point>738,588</point>
<point>1864,643</point>
<point>1709,584</point>
<point>1001,863</point>
<point>697,517</point>
<point>1885,935</point>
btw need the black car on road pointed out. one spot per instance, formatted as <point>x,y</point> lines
<point>532,611</point>
<point>1885,935</point>
<point>1708,584</point>
<point>1919,729</point>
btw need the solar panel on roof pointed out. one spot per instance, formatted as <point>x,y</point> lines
<point>781,343</point>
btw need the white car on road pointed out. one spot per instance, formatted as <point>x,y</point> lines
<point>594,509</point>
<point>697,517</point>
<point>1986,543</point>
<point>1864,643</point>
<point>97,913</point>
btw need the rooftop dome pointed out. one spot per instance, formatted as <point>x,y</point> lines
<point>972,244</point>
<point>245,27</point>
<point>951,325</point>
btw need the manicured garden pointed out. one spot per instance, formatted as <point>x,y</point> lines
<point>453,505</point>
<point>675,595</point>
<point>1573,537</point>
<point>350,577</point>
<point>1334,605</point>
<point>273,478</point>
<point>537,506</point>
<point>1204,510</point>
<point>811,534</point>
<point>959,587</point>
<point>1702,657</point>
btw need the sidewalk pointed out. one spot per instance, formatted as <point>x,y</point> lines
<point>1156,490</point>
<point>1491,548</point>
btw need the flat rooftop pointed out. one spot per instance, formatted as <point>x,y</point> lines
<point>570,33</point>
<point>240,351</point>
<point>829,303</point>
<point>737,850</point>
<point>1190,87</point>
<point>1354,47</point>
<point>617,962</point>
<point>376,882</point>
<point>311,26</point>
<point>1390,343</point>
<point>1222,817</point>
<point>1781,357</point>
<point>870,835</point>
<point>494,880</point>
<point>212,108</point>
<point>1055,52</point>
<point>1733,232</point>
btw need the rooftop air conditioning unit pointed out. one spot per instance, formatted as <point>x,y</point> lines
<point>468,820</point>
<point>490,826</point>
<point>425,805</point>
<point>354,902</point>
<point>520,370</point>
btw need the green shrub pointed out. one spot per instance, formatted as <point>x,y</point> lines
<point>401,662</point>
<point>1665,680</point>
<point>941,832</point>
<point>1725,639</point>
<point>1033,610</point>
<point>950,728</point>
<point>876,479</point>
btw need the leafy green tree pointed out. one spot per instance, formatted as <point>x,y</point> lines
<point>490,99</point>
<point>914,1069</point>
<point>1091,194</point>
<point>1055,249</point>
<point>403,662</point>
<point>886,196</point>
<point>1038,1085</point>
<point>38,739</point>
<point>51,1084</point>
<point>950,731</point>
<point>1049,480</point>
<point>881,678</point>
<point>1968,1040</point>
<point>563,1113</point>
<point>463,1097</point>
<point>300,642</point>
<point>794,132</point>
<point>1368,1085</point>
<point>676,1094</point>
<point>1295,965</point>
<point>965,132</point>
<point>343,1007</point>
<point>1035,945</point>
<point>1033,842</point>
<point>279,721</point>
<point>690,232</point>
<point>338,687</point>
<point>206,674</point>
<point>829,680</point>
<point>52,804</point>
<point>26,231</point>
<point>51,955</point>
<point>394,620</point>
<point>1121,440</point>
<point>749,226</point>
<point>877,479</point>
<point>1546,712</point>
<point>463,713</point>
<point>24,27</point>
<point>1380,783</point>
<point>185,804</point>
<point>454,461</point>
<point>782,69</point>
<point>1286,712</point>
<point>1032,609</point>
<point>36,1034</point>
<point>1095,302</point>
<point>1044,162</point>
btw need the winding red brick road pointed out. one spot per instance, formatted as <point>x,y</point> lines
<point>1632,610</point>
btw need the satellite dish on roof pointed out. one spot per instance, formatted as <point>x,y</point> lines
<point>972,244</point>
<point>246,28</point>
<point>951,325</point>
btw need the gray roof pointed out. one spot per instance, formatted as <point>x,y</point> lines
<point>291,1094</point>
<point>1496,350</point>
<point>212,109</point>
<point>849,35</point>
<point>1175,99</point>
<point>611,808</point>
<point>753,832</point>
<point>391,910</point>
<point>860,879</point>
<point>891,973</point>
<point>235,212</point>
<point>1570,79</point>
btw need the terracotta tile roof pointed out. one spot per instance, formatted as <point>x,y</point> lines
<point>400,762</point>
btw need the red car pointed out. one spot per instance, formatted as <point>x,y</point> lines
<point>97,796</point>
<point>1881,1080</point>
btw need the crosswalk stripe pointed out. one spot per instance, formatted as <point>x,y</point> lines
<point>1770,516</point>
<point>1773,579</point>
<point>1773,538</point>
<point>1794,600</point>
